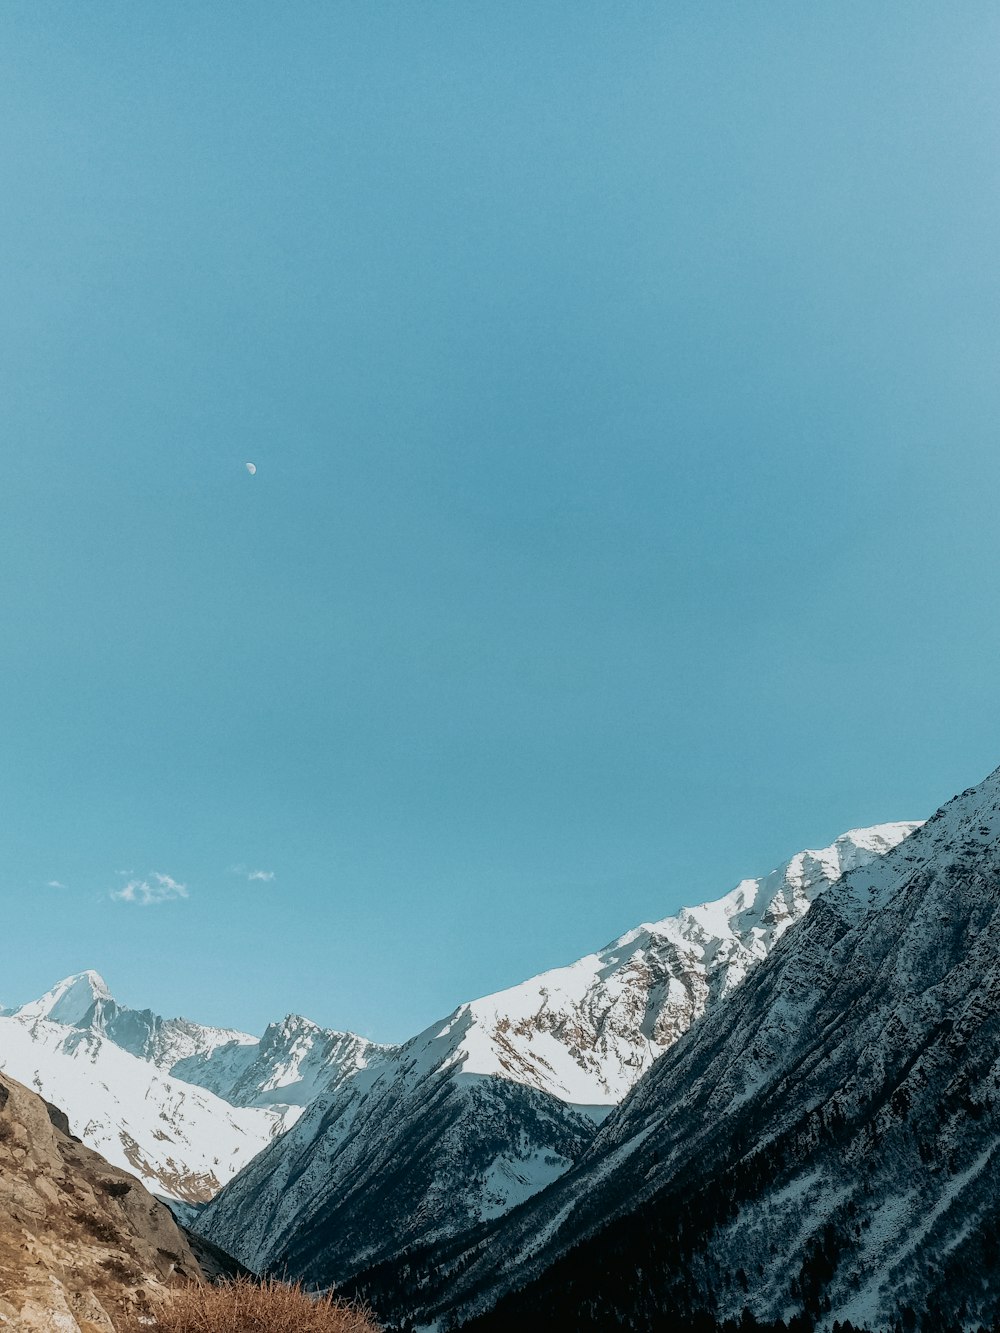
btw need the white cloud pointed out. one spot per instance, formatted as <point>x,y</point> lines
<point>262,876</point>
<point>157,889</point>
<point>54,884</point>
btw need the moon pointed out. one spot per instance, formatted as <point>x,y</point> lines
<point>251,468</point>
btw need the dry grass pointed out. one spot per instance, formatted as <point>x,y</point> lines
<point>247,1306</point>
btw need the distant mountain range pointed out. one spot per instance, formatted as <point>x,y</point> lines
<point>182,1105</point>
<point>777,1110</point>
<point>489,1106</point>
<point>391,1147</point>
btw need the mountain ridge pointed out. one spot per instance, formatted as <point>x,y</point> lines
<point>327,1133</point>
<point>822,1146</point>
<point>183,1104</point>
<point>496,1101</point>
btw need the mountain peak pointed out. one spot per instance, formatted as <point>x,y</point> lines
<point>71,1000</point>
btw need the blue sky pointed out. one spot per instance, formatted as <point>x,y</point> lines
<point>622,381</point>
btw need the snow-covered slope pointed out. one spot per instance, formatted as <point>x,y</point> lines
<point>292,1064</point>
<point>586,1032</point>
<point>488,1106</point>
<point>181,1141</point>
<point>184,1105</point>
<point>408,1149</point>
<point>824,1144</point>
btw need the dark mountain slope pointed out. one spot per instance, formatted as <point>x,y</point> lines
<point>824,1144</point>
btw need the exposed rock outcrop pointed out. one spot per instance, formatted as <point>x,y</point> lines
<point>83,1247</point>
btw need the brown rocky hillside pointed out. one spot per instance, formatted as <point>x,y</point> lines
<point>84,1248</point>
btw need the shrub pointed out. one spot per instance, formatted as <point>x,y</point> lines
<point>117,1189</point>
<point>247,1306</point>
<point>101,1228</point>
<point>121,1270</point>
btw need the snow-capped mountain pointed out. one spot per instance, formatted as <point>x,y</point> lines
<point>823,1145</point>
<point>183,1105</point>
<point>285,1069</point>
<point>407,1149</point>
<point>292,1064</point>
<point>70,1001</point>
<point>585,1033</point>
<point>487,1107</point>
<point>181,1141</point>
<point>84,1001</point>
<point>397,1146</point>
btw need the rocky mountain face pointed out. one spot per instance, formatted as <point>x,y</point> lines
<point>83,1247</point>
<point>823,1146</point>
<point>496,1102</point>
<point>288,1068</point>
<point>183,1105</point>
